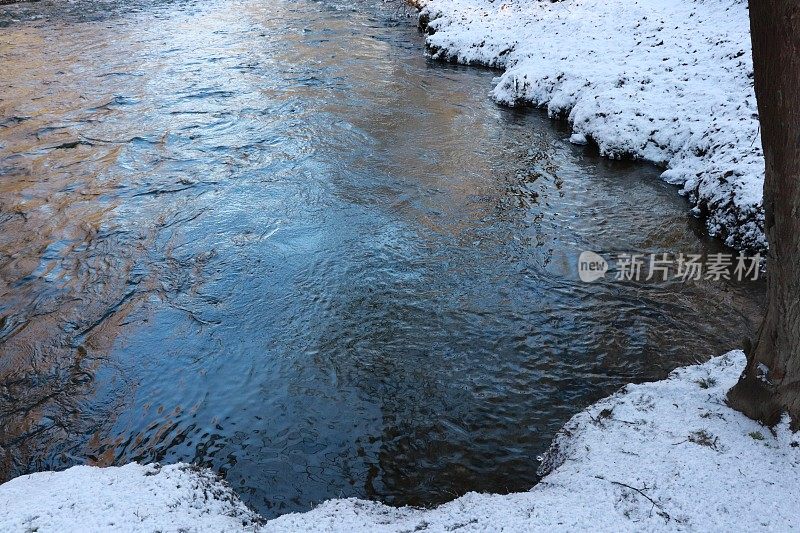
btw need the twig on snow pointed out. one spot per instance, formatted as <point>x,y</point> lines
<point>661,512</point>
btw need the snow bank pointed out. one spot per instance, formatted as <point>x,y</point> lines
<point>128,498</point>
<point>668,455</point>
<point>668,81</point>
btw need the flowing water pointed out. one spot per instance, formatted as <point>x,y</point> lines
<point>273,239</point>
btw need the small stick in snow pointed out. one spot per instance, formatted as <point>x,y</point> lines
<point>661,512</point>
<point>757,134</point>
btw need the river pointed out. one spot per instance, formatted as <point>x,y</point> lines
<point>272,238</point>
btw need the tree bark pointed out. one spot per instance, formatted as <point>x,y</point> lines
<point>770,384</point>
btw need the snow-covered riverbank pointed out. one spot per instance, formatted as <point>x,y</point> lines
<point>133,497</point>
<point>661,80</point>
<point>668,455</point>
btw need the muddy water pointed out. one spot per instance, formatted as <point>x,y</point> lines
<point>273,239</point>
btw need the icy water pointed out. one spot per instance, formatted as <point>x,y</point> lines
<point>273,239</point>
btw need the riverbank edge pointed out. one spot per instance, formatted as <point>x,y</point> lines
<point>680,97</point>
<point>664,455</point>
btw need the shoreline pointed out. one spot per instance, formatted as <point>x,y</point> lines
<point>659,456</point>
<point>676,92</point>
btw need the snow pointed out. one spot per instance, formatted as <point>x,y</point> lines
<point>667,81</point>
<point>579,139</point>
<point>127,498</point>
<point>662,456</point>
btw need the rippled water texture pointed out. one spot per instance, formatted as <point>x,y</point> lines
<point>273,239</point>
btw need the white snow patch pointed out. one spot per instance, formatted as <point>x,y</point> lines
<point>660,456</point>
<point>128,498</point>
<point>666,81</point>
<point>579,139</point>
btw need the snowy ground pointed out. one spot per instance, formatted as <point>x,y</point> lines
<point>127,498</point>
<point>668,81</point>
<point>660,456</point>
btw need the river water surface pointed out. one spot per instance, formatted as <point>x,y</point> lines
<point>273,239</point>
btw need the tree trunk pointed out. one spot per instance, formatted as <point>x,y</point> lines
<point>770,384</point>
